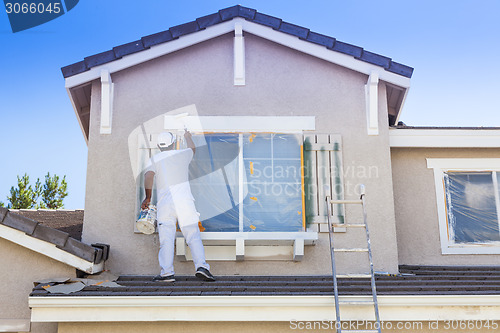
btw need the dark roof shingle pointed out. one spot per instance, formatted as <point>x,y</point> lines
<point>228,14</point>
<point>69,221</point>
<point>41,224</point>
<point>412,280</point>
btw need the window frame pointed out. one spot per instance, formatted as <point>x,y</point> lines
<point>242,180</point>
<point>442,165</point>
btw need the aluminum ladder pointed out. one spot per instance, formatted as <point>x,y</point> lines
<point>371,275</point>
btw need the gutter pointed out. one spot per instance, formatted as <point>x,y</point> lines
<point>261,308</point>
<point>444,138</point>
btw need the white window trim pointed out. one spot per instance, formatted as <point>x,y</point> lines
<point>239,124</point>
<point>442,165</point>
<point>233,243</point>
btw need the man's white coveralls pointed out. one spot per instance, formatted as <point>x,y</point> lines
<point>175,203</point>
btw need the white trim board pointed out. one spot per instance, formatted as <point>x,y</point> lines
<point>440,165</point>
<point>48,249</point>
<point>465,164</point>
<point>230,246</point>
<point>268,33</point>
<point>15,325</point>
<point>247,124</point>
<point>260,308</point>
<point>445,138</point>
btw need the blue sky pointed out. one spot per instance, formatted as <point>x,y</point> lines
<point>453,46</point>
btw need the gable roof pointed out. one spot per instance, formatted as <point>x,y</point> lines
<point>227,14</point>
<point>53,243</point>
<point>79,76</point>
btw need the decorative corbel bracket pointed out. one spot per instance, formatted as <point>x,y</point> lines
<point>371,94</point>
<point>106,102</point>
<point>239,56</point>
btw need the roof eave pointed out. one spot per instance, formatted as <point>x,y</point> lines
<point>444,138</point>
<point>49,250</point>
<point>260,308</point>
<point>292,41</point>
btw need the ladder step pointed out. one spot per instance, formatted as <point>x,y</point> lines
<point>341,225</point>
<point>351,250</point>
<point>356,302</point>
<point>354,275</point>
<point>336,202</point>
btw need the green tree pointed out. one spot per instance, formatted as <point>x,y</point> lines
<point>53,192</point>
<point>24,196</point>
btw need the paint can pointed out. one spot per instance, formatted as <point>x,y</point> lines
<point>147,220</point>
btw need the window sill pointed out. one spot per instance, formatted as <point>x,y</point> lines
<point>492,248</point>
<point>239,246</point>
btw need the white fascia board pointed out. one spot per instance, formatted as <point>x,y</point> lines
<point>464,164</point>
<point>260,308</point>
<point>48,249</point>
<point>444,138</point>
<point>227,27</point>
<point>292,124</point>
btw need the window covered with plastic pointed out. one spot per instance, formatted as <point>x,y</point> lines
<point>472,202</point>
<point>214,180</point>
<point>248,182</point>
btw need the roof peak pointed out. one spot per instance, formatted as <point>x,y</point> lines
<point>227,14</point>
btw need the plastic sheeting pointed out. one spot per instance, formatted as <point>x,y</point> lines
<point>471,207</point>
<point>214,179</point>
<point>271,195</point>
<point>273,174</point>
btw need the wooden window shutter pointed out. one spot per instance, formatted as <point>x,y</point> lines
<point>322,166</point>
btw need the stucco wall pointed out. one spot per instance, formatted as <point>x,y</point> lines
<point>279,81</point>
<point>416,211</point>
<point>20,268</point>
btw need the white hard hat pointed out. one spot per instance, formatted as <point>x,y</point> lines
<point>165,139</point>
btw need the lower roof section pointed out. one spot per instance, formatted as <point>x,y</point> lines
<point>50,242</point>
<point>418,293</point>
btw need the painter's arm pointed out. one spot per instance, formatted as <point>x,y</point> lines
<point>148,186</point>
<point>189,141</point>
